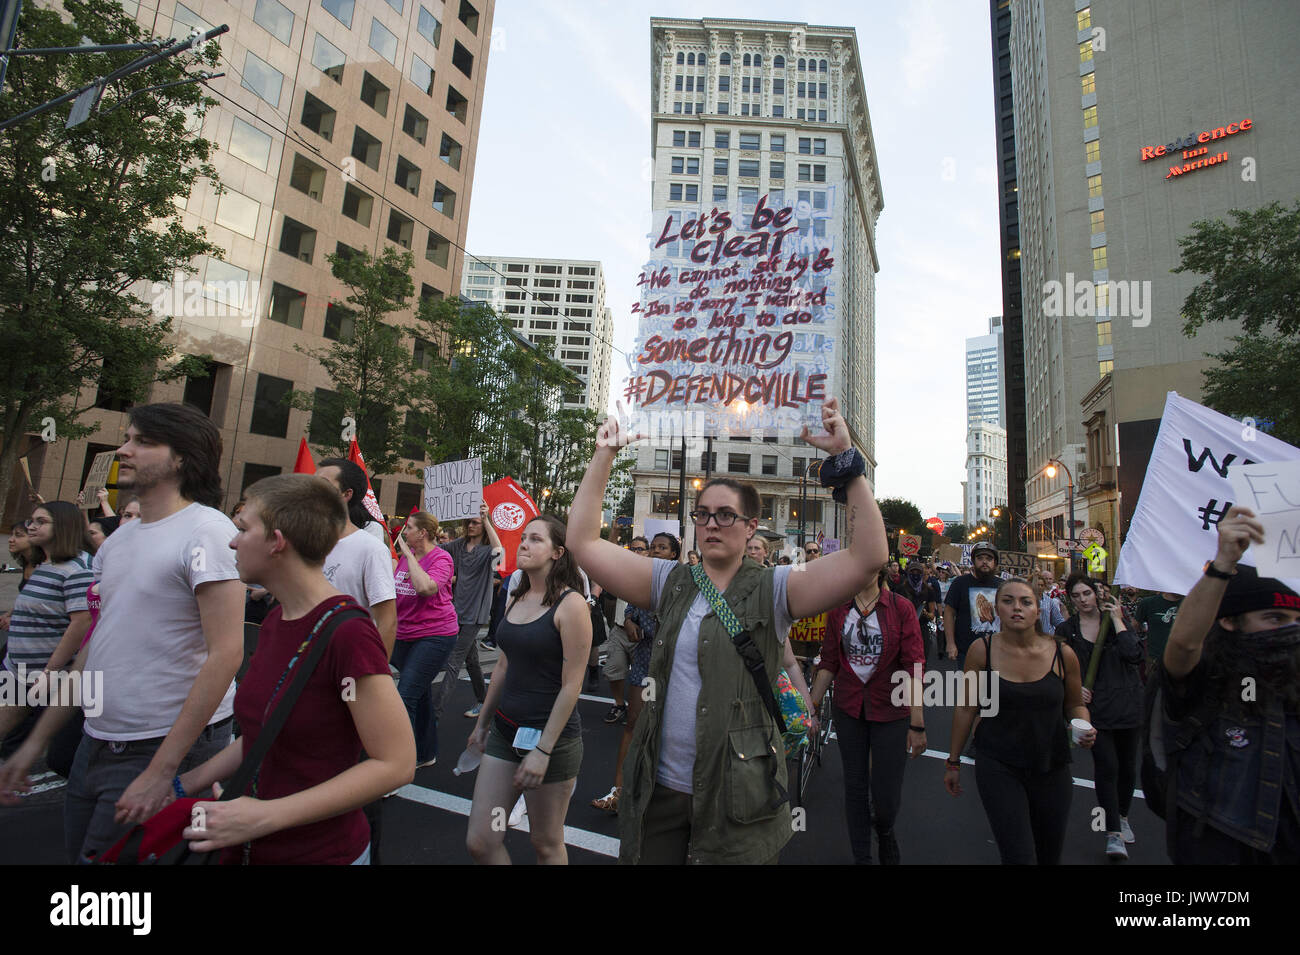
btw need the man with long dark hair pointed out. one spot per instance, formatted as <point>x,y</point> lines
<point>168,641</point>
<point>1232,664</point>
<point>353,484</point>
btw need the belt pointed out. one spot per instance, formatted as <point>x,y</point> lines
<point>117,746</point>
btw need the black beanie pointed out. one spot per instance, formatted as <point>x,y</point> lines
<point>1248,591</point>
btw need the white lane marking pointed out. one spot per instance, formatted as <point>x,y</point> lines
<point>579,838</point>
<point>1082,783</point>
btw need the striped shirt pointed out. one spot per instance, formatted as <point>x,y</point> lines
<point>41,612</point>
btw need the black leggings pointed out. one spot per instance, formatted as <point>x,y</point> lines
<point>874,756</point>
<point>1114,760</point>
<point>1027,811</point>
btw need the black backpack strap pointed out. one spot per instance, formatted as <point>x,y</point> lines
<point>266,738</point>
<point>752,657</point>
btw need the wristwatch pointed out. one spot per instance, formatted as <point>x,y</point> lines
<point>1211,571</point>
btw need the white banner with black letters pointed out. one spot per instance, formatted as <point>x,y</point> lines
<point>1187,491</point>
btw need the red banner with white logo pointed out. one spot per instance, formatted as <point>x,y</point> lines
<point>371,502</point>
<point>509,509</point>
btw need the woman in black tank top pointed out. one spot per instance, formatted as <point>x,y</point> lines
<point>544,637</point>
<point>1029,684</point>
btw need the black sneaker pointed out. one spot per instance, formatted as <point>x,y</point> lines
<point>615,713</point>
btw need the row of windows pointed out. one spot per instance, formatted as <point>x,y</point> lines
<point>724,109</point>
<point>778,62</point>
<point>749,142</point>
<point>736,463</point>
<point>382,40</point>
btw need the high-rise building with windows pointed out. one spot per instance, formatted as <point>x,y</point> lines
<point>984,361</point>
<point>560,301</point>
<point>340,125</point>
<point>744,108</point>
<point>1133,119</point>
<point>986,471</point>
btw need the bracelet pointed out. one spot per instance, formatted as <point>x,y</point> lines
<point>176,785</point>
<point>542,751</point>
<point>917,729</point>
<point>837,472</point>
<point>953,764</point>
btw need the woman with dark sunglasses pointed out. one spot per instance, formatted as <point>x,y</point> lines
<point>704,779</point>
<point>872,646</point>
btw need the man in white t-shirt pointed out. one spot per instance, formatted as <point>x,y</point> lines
<point>360,565</point>
<point>168,641</point>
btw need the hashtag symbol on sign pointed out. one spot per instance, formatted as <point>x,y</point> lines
<point>635,390</point>
<point>1210,516</point>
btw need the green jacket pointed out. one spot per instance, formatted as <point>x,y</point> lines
<point>740,813</point>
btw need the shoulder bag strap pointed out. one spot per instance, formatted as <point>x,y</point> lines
<point>320,638</point>
<point>749,652</point>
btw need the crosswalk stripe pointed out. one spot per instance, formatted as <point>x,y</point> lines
<point>578,838</point>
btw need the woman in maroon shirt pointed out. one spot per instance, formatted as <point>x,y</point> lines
<point>873,653</point>
<point>304,805</point>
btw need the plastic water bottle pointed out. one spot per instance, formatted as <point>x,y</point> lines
<point>468,762</point>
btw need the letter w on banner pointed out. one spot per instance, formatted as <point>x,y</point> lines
<point>1186,492</point>
<point>371,502</point>
<point>509,509</point>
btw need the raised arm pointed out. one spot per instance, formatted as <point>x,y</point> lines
<point>1200,607</point>
<point>833,580</point>
<point>621,572</point>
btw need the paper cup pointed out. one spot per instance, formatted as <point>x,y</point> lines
<point>1077,729</point>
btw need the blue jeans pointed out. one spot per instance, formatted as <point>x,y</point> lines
<point>420,660</point>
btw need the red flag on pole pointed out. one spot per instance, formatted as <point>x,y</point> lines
<point>509,509</point>
<point>305,464</point>
<point>371,502</point>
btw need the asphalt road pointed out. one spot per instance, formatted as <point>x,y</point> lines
<point>425,823</point>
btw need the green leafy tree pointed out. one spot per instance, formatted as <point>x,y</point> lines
<point>905,516</point>
<point>1252,273</point>
<point>376,376</point>
<point>88,213</point>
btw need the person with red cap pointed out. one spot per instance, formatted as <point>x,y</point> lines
<point>1231,672</point>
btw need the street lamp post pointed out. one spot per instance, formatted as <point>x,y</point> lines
<point>1050,471</point>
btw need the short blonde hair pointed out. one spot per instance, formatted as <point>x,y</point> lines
<point>306,509</point>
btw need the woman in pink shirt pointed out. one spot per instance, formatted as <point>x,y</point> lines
<point>426,626</point>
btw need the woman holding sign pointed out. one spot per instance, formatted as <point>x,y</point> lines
<point>1109,654</point>
<point>704,780</point>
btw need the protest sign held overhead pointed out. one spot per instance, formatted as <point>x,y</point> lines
<point>1272,491</point>
<point>738,317</point>
<point>454,491</point>
<point>1187,491</point>
<point>509,509</point>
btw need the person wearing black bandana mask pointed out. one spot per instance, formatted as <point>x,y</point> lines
<point>915,586</point>
<point>1232,663</point>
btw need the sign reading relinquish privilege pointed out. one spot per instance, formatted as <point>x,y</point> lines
<point>738,317</point>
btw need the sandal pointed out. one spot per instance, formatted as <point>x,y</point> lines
<point>607,803</point>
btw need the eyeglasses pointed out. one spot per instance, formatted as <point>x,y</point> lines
<point>812,550</point>
<point>639,549</point>
<point>722,518</point>
<point>36,523</point>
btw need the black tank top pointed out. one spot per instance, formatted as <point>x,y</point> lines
<point>1029,730</point>
<point>534,674</point>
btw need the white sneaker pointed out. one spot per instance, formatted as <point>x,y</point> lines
<point>1126,831</point>
<point>1115,846</point>
<point>473,712</point>
<point>517,814</point>
<point>427,762</point>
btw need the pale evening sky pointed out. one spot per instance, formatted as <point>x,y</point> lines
<point>562,171</point>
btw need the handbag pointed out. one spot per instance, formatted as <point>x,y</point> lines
<point>783,701</point>
<point>158,840</point>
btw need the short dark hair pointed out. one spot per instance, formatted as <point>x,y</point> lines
<point>673,542</point>
<point>193,438</point>
<point>1080,579</point>
<point>353,479</point>
<point>748,495</point>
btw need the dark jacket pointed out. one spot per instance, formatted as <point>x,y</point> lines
<point>1235,774</point>
<point>1117,692</point>
<point>902,649</point>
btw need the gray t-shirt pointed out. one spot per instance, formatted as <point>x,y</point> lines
<point>472,595</point>
<point>149,639</point>
<point>677,743</point>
